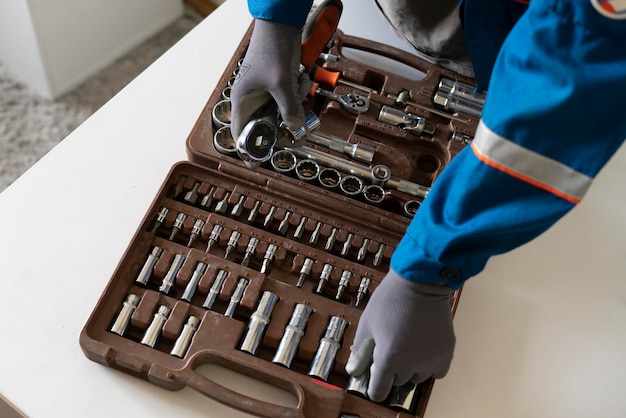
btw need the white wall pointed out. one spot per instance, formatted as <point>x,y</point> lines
<point>54,45</point>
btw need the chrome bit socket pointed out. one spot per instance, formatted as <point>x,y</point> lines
<point>215,290</point>
<point>327,350</point>
<point>288,346</point>
<point>170,276</point>
<point>232,242</point>
<point>250,251</point>
<point>148,266</point>
<point>305,271</point>
<point>258,322</point>
<point>268,257</point>
<point>344,282</point>
<point>214,237</point>
<point>178,225</point>
<point>155,327</point>
<point>324,277</point>
<point>196,230</point>
<point>160,220</point>
<point>123,318</point>
<point>191,287</point>
<point>363,289</point>
<point>184,339</point>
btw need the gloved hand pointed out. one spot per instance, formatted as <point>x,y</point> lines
<point>270,69</point>
<point>405,333</point>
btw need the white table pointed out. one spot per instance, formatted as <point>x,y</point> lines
<point>541,332</point>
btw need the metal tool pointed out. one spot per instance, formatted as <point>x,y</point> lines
<point>179,187</point>
<point>288,345</point>
<point>236,297</point>
<point>254,211</point>
<point>191,287</point>
<point>222,205</point>
<point>353,103</point>
<point>224,142</point>
<point>258,322</point>
<point>148,266</point>
<point>192,195</point>
<point>404,397</point>
<point>215,290</point>
<point>207,199</point>
<point>363,250</point>
<point>351,185</point>
<point>222,113</point>
<point>455,104</point>
<point>362,291</point>
<point>196,230</point>
<point>410,207</point>
<point>324,277</point>
<point>214,236</point>
<point>357,385</point>
<point>123,318</point>
<point>284,224</point>
<point>327,350</point>
<point>178,225</point>
<point>256,141</point>
<point>345,249</point>
<point>154,329</point>
<point>378,257</point>
<point>300,228</point>
<point>402,102</point>
<point>307,169</point>
<point>170,276</point>
<point>305,271</point>
<point>409,122</point>
<point>232,243</point>
<point>373,194</point>
<point>268,257</point>
<point>250,250</point>
<point>160,220</point>
<point>329,178</point>
<point>344,283</point>
<point>358,152</point>
<point>184,339</point>
<point>283,161</point>
<point>316,233</point>
<point>330,241</point>
<point>381,174</point>
<point>461,91</point>
<point>238,208</point>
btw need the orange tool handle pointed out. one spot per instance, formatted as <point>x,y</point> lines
<point>318,30</point>
<point>322,75</point>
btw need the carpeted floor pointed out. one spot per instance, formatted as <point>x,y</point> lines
<point>31,125</point>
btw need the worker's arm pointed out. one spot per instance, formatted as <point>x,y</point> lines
<point>553,118</point>
<point>288,12</point>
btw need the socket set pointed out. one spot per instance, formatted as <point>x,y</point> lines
<point>266,271</point>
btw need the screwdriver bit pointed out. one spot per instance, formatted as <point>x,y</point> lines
<point>232,243</point>
<point>346,245</point>
<point>236,297</point>
<point>378,258</point>
<point>179,187</point>
<point>208,198</point>
<point>316,233</point>
<point>250,250</point>
<point>324,277</point>
<point>269,217</point>
<point>214,236</point>
<point>305,271</point>
<point>254,211</point>
<point>363,289</point>
<point>344,282</point>
<point>238,208</point>
<point>196,230</point>
<point>363,250</point>
<point>300,228</point>
<point>330,242</point>
<point>192,195</point>
<point>284,224</point>
<point>222,205</point>
<point>268,257</point>
<point>178,225</point>
<point>215,290</point>
<point>159,220</point>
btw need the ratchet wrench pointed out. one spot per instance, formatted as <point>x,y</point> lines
<point>353,103</point>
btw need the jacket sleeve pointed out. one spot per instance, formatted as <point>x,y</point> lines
<point>289,12</point>
<point>553,118</point>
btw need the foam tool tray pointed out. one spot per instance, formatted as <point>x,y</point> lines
<point>266,272</point>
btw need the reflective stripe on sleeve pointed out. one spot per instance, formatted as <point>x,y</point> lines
<point>529,166</point>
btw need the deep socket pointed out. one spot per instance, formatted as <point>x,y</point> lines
<point>148,266</point>
<point>184,339</point>
<point>236,297</point>
<point>215,290</point>
<point>327,350</point>
<point>357,385</point>
<point>170,276</point>
<point>155,327</point>
<point>258,322</point>
<point>191,287</point>
<point>288,346</point>
<point>123,318</point>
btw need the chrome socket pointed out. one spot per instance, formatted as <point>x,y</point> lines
<point>148,266</point>
<point>307,170</point>
<point>191,287</point>
<point>215,290</point>
<point>404,397</point>
<point>155,327</point>
<point>236,297</point>
<point>357,385</point>
<point>184,339</point>
<point>170,276</point>
<point>288,346</point>
<point>373,194</point>
<point>123,318</point>
<point>224,142</point>
<point>380,175</point>
<point>283,161</point>
<point>221,113</point>
<point>410,207</point>
<point>351,185</point>
<point>327,350</point>
<point>258,322</point>
<point>329,178</point>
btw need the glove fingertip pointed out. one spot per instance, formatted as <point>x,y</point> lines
<point>380,384</point>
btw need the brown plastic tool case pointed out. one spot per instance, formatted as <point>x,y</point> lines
<point>170,294</point>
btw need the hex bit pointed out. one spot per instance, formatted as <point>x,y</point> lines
<point>305,271</point>
<point>191,287</point>
<point>148,266</point>
<point>123,318</point>
<point>191,196</point>
<point>232,243</point>
<point>300,228</point>
<point>207,199</point>
<point>344,282</point>
<point>284,224</point>
<point>250,251</point>
<point>258,322</point>
<point>238,208</point>
<point>236,297</point>
<point>324,277</point>
<point>288,346</point>
<point>196,230</point>
<point>170,276</point>
<point>254,211</point>
<point>222,205</point>
<point>155,327</point>
<point>184,339</point>
<point>268,257</point>
<point>160,220</point>
<point>363,289</point>
<point>179,187</point>
<point>213,237</point>
<point>215,290</point>
<point>327,350</point>
<point>178,225</point>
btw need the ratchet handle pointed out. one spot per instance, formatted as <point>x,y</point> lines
<point>318,30</point>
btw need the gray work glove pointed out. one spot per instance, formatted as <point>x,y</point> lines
<point>270,69</point>
<point>405,333</point>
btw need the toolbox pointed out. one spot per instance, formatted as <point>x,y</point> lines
<point>266,271</point>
